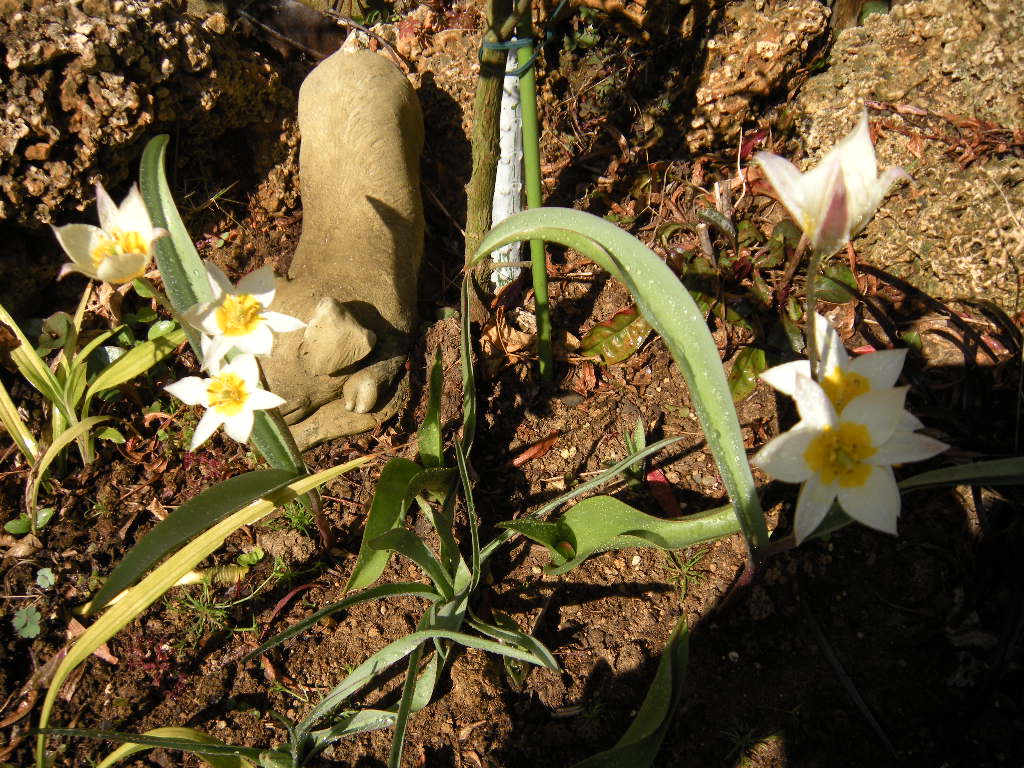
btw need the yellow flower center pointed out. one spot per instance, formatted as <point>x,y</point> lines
<point>227,394</point>
<point>238,315</point>
<point>842,386</point>
<point>116,243</point>
<point>839,454</point>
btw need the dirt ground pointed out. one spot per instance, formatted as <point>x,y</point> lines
<point>862,649</point>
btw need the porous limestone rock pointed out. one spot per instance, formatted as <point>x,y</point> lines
<point>353,278</point>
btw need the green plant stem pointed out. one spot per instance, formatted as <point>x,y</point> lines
<point>811,292</point>
<point>531,174</point>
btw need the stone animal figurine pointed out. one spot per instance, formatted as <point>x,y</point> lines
<point>353,278</point>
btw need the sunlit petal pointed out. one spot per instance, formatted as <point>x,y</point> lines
<point>132,216</point>
<point>788,183</point>
<point>239,426</point>
<point>205,428</point>
<point>219,282</point>
<point>259,342</point>
<point>122,267</point>
<point>282,323</point>
<point>875,503</point>
<point>106,209</point>
<point>813,404</point>
<point>191,390</point>
<point>831,352</point>
<point>78,240</point>
<point>811,506</point>
<point>246,367</point>
<point>881,368</point>
<point>259,284</point>
<point>907,446</point>
<point>783,377</point>
<point>880,410</point>
<point>783,457</point>
<point>260,399</point>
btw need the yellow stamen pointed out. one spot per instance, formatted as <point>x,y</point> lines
<point>839,454</point>
<point>238,315</point>
<point>116,243</point>
<point>842,386</point>
<point>227,394</point>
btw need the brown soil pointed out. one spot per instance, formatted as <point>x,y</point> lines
<point>860,650</point>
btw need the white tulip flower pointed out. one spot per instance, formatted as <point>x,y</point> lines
<point>120,249</point>
<point>842,378</point>
<point>833,201</point>
<point>848,456</point>
<point>230,397</point>
<point>237,318</point>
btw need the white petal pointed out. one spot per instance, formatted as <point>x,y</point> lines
<point>259,342</point>
<point>215,351</point>
<point>880,368</point>
<point>783,377</point>
<point>259,284</point>
<point>261,400</point>
<point>219,282</point>
<point>907,446</point>
<point>206,427</point>
<point>122,267</point>
<point>239,426</point>
<point>874,196</point>
<point>201,316</point>
<point>783,457</point>
<point>909,423</point>
<point>813,404</point>
<point>245,366</point>
<point>132,216</point>
<point>831,352</point>
<point>876,503</point>
<point>880,410</point>
<point>106,210</point>
<point>857,155</point>
<point>191,390</point>
<point>832,220</point>
<point>282,323</point>
<point>811,506</point>
<point>789,184</point>
<point>78,240</point>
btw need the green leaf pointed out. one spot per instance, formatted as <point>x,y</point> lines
<point>111,434</point>
<point>601,523</point>
<point>161,328</point>
<point>992,472</point>
<point>833,281</point>
<point>26,622</point>
<point>35,476</point>
<point>167,575</point>
<point>45,578</point>
<point>747,366</point>
<point>135,362</point>
<point>410,545</point>
<point>431,448</point>
<point>640,743</point>
<point>251,557</point>
<point>615,339</point>
<point>390,502</point>
<point>672,312</point>
<point>17,428</point>
<point>215,753</point>
<point>34,369</point>
<point>191,518</point>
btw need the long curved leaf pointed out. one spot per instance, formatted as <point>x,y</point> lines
<point>191,518</point>
<point>61,442</point>
<point>669,308</point>
<point>411,546</point>
<point>135,361</point>
<point>601,523</point>
<point>216,753</point>
<point>166,575</point>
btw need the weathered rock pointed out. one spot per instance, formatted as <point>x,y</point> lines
<point>957,231</point>
<point>354,275</point>
<point>85,83</point>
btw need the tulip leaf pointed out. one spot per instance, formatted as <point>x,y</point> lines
<point>191,518</point>
<point>640,743</point>
<point>992,472</point>
<point>17,428</point>
<point>135,362</point>
<point>615,339</point>
<point>601,523</point>
<point>411,546</point>
<point>431,448</point>
<point>672,312</point>
<point>747,366</point>
<point>64,439</point>
<point>215,753</point>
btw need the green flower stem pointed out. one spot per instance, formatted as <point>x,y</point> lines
<point>811,291</point>
<point>531,174</point>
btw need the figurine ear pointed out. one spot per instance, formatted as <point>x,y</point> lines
<point>333,339</point>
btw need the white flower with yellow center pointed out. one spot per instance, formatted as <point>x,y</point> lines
<point>120,249</point>
<point>230,396</point>
<point>833,201</point>
<point>238,318</point>
<point>847,456</point>
<point>842,378</point>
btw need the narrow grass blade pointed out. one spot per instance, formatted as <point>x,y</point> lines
<point>993,472</point>
<point>515,638</point>
<point>373,593</point>
<point>34,368</point>
<point>669,308</point>
<point>187,521</point>
<point>474,522</point>
<point>135,362</point>
<point>431,448</point>
<point>601,523</point>
<point>166,575</point>
<point>640,743</point>
<point>215,753</point>
<point>16,428</point>
<point>61,442</point>
<point>389,505</point>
